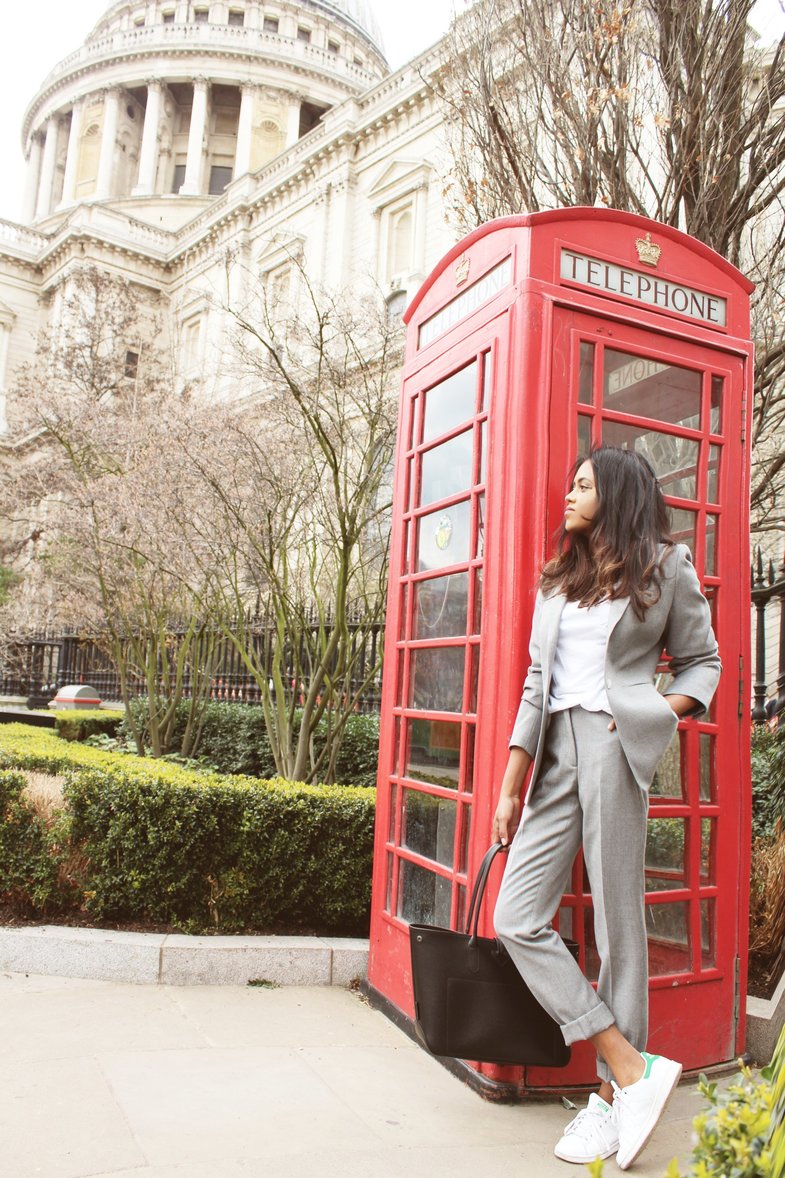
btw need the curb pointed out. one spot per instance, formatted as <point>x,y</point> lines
<point>765,1020</point>
<point>181,960</point>
<point>176,959</point>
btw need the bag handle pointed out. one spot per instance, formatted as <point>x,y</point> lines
<point>478,891</point>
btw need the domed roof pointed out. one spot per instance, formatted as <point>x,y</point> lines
<point>361,13</point>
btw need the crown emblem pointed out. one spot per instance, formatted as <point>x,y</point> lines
<point>648,250</point>
<point>462,270</point>
<point>443,533</point>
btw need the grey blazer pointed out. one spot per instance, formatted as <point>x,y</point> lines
<point>680,622</point>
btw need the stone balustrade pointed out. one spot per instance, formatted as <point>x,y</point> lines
<point>228,39</point>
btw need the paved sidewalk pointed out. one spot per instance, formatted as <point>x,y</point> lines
<point>114,1080</point>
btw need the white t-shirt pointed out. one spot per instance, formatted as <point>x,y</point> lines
<point>578,677</point>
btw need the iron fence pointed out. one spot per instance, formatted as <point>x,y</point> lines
<point>768,602</point>
<point>36,667</point>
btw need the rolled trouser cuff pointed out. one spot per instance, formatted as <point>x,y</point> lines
<point>599,1018</point>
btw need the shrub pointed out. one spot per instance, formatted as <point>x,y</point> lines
<point>233,740</point>
<point>358,759</point>
<point>79,725</point>
<point>767,909</point>
<point>202,851</point>
<point>768,780</point>
<point>41,750</point>
<point>29,852</point>
<point>733,1132</point>
<point>777,1075</point>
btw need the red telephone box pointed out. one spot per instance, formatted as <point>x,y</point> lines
<point>534,338</point>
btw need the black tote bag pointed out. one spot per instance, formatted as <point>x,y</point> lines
<point>471,1002</point>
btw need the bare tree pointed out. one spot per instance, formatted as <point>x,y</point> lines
<point>665,108</point>
<point>177,528</point>
<point>303,490</point>
<point>102,505</point>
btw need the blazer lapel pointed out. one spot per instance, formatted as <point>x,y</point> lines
<point>618,606</point>
<point>551,613</point>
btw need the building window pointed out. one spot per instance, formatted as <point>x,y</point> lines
<point>179,177</point>
<point>167,18</point>
<point>270,24</point>
<point>303,34</point>
<point>131,365</point>
<point>400,241</point>
<point>278,288</point>
<point>359,61</point>
<point>220,176</point>
<point>396,305</point>
<point>236,17</point>
<point>333,47</point>
<point>201,16</point>
<point>192,337</point>
<point>138,22</point>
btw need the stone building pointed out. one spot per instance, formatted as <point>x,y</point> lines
<point>184,132</point>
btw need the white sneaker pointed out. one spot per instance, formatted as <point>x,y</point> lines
<point>592,1134</point>
<point>639,1106</point>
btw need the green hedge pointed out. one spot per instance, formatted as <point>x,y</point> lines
<point>31,879</point>
<point>200,851</point>
<point>234,740</point>
<point>79,725</point>
<point>768,780</point>
<point>42,750</point>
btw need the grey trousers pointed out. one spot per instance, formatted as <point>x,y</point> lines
<point>584,794</point>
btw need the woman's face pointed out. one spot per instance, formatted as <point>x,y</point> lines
<point>582,500</point>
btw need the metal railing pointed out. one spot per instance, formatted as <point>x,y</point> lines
<point>768,592</point>
<point>36,667</point>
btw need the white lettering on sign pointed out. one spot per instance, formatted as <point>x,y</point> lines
<point>466,302</point>
<point>633,373</point>
<point>644,288</point>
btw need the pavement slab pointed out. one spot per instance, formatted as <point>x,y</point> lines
<point>113,1080</point>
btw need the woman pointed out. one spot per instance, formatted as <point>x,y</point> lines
<point>592,726</point>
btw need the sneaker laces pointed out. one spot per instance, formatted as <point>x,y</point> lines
<point>583,1121</point>
<point>620,1096</point>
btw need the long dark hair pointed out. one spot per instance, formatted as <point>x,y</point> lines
<point>619,556</point>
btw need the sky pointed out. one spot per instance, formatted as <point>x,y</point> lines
<point>38,33</point>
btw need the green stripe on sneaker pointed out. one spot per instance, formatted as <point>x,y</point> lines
<point>648,1060</point>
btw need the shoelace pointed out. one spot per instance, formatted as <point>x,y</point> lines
<point>583,1118</point>
<point>619,1096</point>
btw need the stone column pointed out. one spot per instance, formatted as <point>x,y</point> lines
<point>242,156</point>
<point>420,215</point>
<point>192,185</point>
<point>72,157</point>
<point>148,157</point>
<point>44,205</point>
<point>293,120</point>
<point>32,178</point>
<point>106,159</point>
